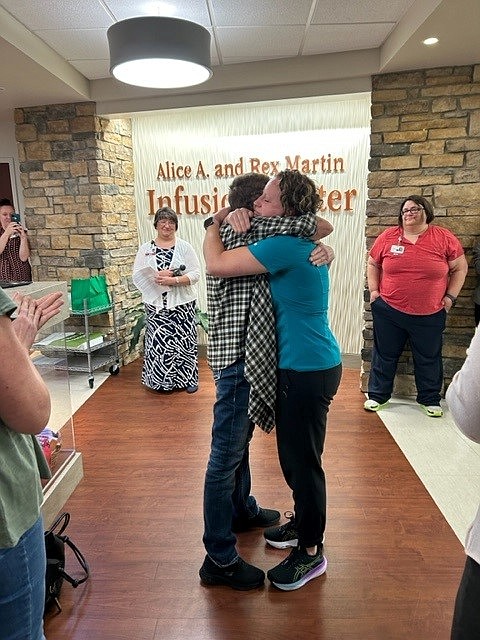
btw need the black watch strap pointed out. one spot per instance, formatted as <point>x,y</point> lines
<point>208,222</point>
<point>452,298</point>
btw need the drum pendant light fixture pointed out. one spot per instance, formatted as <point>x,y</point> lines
<point>159,52</point>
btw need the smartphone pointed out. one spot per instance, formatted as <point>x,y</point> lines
<point>15,218</point>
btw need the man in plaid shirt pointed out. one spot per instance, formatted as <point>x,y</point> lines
<point>242,356</point>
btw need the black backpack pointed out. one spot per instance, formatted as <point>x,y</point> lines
<point>55,543</point>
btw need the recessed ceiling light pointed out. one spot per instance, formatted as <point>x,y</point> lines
<point>430,41</point>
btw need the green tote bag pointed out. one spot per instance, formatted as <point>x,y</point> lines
<point>94,291</point>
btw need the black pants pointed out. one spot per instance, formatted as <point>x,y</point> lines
<point>303,400</point>
<point>391,330</point>
<point>466,617</point>
<point>477,314</point>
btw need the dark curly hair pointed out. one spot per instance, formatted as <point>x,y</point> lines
<point>299,194</point>
<point>422,202</point>
<point>245,189</point>
<point>5,202</point>
<point>165,213</point>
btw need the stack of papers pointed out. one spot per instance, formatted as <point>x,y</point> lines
<point>145,282</point>
<point>54,336</point>
<point>72,340</point>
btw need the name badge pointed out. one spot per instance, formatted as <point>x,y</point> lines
<point>397,249</point>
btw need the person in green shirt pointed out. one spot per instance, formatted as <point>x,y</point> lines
<point>24,411</point>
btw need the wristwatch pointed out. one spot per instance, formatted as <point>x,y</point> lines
<point>208,222</point>
<point>452,298</point>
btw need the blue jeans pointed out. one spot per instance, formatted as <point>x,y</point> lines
<point>22,587</point>
<point>227,479</point>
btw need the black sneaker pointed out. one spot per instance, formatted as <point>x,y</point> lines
<point>264,518</point>
<point>238,575</point>
<point>297,569</point>
<point>285,535</point>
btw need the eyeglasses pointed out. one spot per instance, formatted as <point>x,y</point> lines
<point>169,222</point>
<point>411,210</point>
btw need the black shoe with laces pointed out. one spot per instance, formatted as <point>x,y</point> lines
<point>264,518</point>
<point>284,536</point>
<point>239,575</point>
<point>297,569</point>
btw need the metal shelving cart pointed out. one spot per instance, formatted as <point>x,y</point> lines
<point>94,356</point>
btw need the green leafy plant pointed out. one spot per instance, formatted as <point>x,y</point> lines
<point>137,316</point>
<point>202,319</point>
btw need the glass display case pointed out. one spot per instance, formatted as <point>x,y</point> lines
<point>58,437</point>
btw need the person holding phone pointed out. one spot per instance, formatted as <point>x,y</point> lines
<point>14,246</point>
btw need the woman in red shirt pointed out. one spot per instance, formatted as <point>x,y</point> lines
<point>415,272</point>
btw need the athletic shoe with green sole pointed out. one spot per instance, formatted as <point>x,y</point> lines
<point>433,411</point>
<point>373,405</point>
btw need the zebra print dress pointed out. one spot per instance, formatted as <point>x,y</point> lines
<point>171,351</point>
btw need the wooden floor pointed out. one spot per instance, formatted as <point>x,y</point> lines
<point>394,563</point>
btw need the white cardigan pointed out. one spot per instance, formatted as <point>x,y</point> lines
<point>182,254</point>
<point>463,398</point>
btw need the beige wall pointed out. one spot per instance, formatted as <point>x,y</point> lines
<point>425,139</point>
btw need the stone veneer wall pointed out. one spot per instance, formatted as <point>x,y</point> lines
<point>77,176</point>
<point>425,139</point>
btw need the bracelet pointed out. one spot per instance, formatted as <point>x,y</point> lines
<point>452,298</point>
<point>177,280</point>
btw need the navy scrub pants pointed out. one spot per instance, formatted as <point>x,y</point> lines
<point>391,330</point>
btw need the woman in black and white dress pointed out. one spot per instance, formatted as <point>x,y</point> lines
<point>166,271</point>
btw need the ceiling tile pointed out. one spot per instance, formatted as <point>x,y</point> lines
<point>59,14</point>
<point>245,42</point>
<point>229,13</point>
<point>333,38</point>
<point>334,12</point>
<point>78,44</point>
